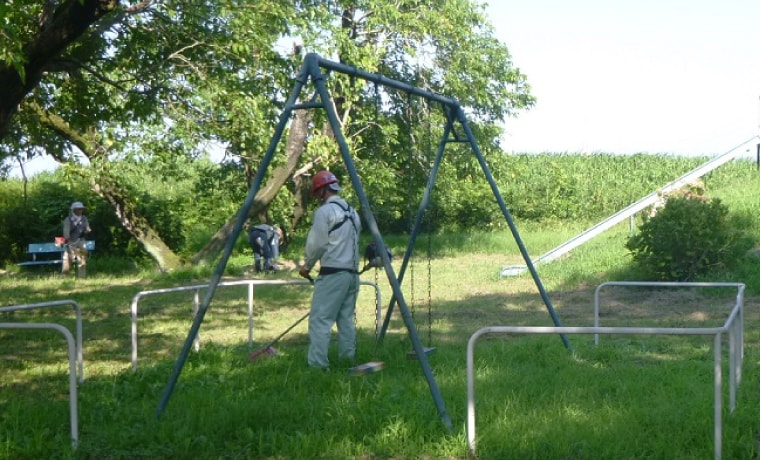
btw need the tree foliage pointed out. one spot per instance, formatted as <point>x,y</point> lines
<point>153,81</point>
<point>35,35</point>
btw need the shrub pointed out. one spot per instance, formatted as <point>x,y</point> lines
<point>687,237</point>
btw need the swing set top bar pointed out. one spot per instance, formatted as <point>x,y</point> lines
<point>379,79</point>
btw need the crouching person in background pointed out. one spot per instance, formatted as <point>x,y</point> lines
<point>265,243</point>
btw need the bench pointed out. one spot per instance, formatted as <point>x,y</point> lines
<point>48,253</point>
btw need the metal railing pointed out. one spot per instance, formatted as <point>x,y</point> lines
<point>735,330</point>
<point>58,303</point>
<point>73,413</point>
<point>732,326</point>
<point>250,283</point>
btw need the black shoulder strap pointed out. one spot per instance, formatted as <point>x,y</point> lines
<point>347,216</point>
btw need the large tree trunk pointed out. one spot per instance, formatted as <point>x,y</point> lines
<point>301,194</point>
<point>108,187</point>
<point>296,144</point>
<point>57,31</point>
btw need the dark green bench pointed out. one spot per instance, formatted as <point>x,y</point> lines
<point>48,253</point>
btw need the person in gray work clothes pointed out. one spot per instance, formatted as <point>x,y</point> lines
<point>333,240</point>
<point>75,227</point>
<point>264,240</point>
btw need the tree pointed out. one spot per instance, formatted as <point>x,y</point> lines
<point>31,49</point>
<point>445,46</point>
<point>170,74</point>
<point>108,187</point>
<point>174,77</point>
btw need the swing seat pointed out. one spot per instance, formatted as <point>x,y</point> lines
<point>427,350</point>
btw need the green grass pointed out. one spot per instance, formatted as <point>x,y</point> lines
<point>631,397</point>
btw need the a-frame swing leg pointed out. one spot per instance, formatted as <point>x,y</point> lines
<point>240,219</point>
<point>313,63</point>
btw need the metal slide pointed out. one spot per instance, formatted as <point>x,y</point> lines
<point>569,245</point>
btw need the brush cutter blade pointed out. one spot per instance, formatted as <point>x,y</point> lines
<point>366,368</point>
<point>267,351</point>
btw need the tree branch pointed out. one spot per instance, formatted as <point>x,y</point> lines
<point>67,23</point>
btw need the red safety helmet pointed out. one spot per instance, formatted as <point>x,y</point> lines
<point>321,179</point>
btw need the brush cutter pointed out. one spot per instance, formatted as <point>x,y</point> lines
<point>366,368</point>
<point>268,350</point>
<point>372,258</point>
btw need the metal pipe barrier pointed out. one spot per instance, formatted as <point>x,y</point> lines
<point>73,414</point>
<point>250,284</point>
<point>716,332</point>
<point>735,325</point>
<point>58,303</point>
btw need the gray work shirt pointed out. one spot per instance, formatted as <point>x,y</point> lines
<point>338,248</point>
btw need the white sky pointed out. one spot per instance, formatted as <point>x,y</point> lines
<point>653,76</point>
<point>628,76</point>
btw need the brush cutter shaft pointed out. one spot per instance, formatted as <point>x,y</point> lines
<point>267,348</point>
<point>277,339</point>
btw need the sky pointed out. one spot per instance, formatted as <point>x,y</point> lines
<point>628,76</point>
<point>640,76</point>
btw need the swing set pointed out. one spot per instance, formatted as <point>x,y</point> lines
<point>456,129</point>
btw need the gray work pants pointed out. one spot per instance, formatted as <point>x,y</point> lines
<point>334,302</point>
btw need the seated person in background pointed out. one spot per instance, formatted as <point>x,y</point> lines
<point>75,227</point>
<point>265,242</point>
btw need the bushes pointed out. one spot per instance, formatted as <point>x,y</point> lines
<point>687,237</point>
<point>186,200</point>
<point>35,213</point>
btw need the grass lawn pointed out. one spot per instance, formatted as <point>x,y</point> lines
<point>632,396</point>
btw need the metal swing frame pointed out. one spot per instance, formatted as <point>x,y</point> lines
<point>312,71</point>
